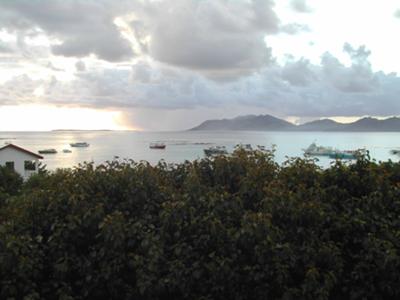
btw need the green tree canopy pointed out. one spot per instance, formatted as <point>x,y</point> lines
<point>227,227</point>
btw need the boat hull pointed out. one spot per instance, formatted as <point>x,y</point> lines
<point>344,155</point>
<point>79,145</point>
<point>47,151</point>
<point>210,152</point>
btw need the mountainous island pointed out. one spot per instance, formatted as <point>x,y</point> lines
<point>271,123</point>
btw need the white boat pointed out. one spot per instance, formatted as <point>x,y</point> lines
<point>67,151</point>
<point>314,150</point>
<point>79,144</point>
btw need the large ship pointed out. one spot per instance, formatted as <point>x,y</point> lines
<point>348,154</point>
<point>314,150</point>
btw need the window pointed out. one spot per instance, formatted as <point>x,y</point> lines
<point>10,165</point>
<point>29,165</point>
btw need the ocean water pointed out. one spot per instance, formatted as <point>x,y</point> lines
<point>189,145</point>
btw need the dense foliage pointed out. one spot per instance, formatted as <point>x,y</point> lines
<point>10,183</point>
<point>230,227</point>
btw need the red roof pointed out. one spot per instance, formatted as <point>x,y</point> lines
<point>22,150</point>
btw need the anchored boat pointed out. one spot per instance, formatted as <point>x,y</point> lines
<point>157,145</point>
<point>314,150</point>
<point>79,144</point>
<point>395,151</point>
<point>348,154</point>
<point>48,151</point>
<point>218,150</point>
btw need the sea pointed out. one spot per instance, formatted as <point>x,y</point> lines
<point>190,145</point>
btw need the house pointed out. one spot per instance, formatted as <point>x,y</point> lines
<point>22,161</point>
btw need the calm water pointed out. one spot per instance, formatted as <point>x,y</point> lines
<point>105,145</point>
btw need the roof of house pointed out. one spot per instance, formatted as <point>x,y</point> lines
<point>21,150</point>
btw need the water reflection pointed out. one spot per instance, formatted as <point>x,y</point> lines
<point>190,145</point>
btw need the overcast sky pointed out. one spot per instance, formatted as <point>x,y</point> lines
<point>170,64</point>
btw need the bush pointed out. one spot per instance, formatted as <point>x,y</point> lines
<point>10,184</point>
<point>10,181</point>
<point>229,227</point>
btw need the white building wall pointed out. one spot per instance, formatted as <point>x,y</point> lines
<point>19,158</point>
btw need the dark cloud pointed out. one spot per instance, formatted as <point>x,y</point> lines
<point>208,36</point>
<point>190,55</point>
<point>83,27</point>
<point>221,39</point>
<point>300,6</point>
<point>298,73</point>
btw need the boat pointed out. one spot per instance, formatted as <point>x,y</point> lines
<point>246,147</point>
<point>67,151</point>
<point>79,144</point>
<point>48,151</point>
<point>395,151</point>
<point>217,150</point>
<point>347,154</point>
<point>342,155</point>
<point>314,150</point>
<point>157,145</point>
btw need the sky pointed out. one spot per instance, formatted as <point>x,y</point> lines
<point>171,64</point>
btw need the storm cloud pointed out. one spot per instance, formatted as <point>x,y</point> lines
<point>208,36</point>
<point>181,59</point>
<point>82,27</point>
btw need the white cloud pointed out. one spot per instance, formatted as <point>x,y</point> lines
<point>294,28</point>
<point>297,88</point>
<point>300,6</point>
<point>80,66</point>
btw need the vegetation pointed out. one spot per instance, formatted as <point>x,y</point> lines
<point>229,227</point>
<point>10,183</point>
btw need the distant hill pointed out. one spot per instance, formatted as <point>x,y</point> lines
<point>372,124</point>
<point>250,122</point>
<point>270,123</point>
<point>321,125</point>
